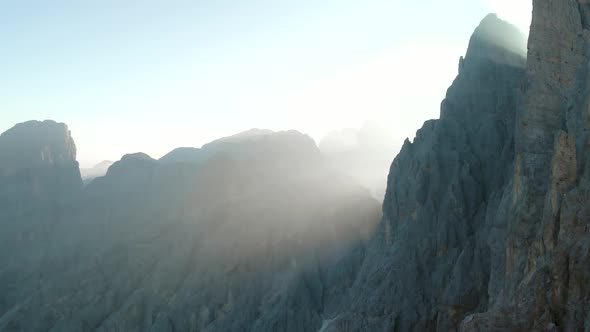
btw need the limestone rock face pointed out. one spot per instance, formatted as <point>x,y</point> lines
<point>433,259</point>
<point>38,163</point>
<point>485,222</point>
<point>286,147</point>
<point>36,143</point>
<point>39,184</point>
<point>544,287</point>
<point>38,168</point>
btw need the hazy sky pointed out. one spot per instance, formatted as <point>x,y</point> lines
<point>149,76</point>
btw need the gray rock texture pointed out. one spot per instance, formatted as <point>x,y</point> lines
<point>543,283</point>
<point>485,222</point>
<point>39,183</point>
<point>434,257</point>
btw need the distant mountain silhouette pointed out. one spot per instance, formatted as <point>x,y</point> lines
<point>253,133</point>
<point>256,145</point>
<point>196,155</point>
<point>100,169</point>
<point>184,155</point>
<point>35,143</point>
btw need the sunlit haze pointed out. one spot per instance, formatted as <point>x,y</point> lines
<point>151,76</point>
<point>304,165</point>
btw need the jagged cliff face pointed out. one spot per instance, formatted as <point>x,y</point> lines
<point>39,159</point>
<point>39,181</point>
<point>485,219</point>
<point>545,283</point>
<point>38,170</point>
<point>36,143</point>
<point>430,263</point>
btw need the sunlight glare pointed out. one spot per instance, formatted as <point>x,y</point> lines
<point>517,12</point>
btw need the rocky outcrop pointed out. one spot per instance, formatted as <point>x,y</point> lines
<point>38,170</point>
<point>38,163</point>
<point>39,186</point>
<point>544,287</point>
<point>485,217</point>
<point>485,222</point>
<point>264,147</point>
<point>36,143</point>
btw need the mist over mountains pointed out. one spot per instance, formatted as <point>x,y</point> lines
<point>234,226</point>
<point>100,169</point>
<point>364,154</point>
<point>483,226</point>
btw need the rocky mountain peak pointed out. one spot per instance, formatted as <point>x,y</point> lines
<point>35,143</point>
<point>132,162</point>
<point>430,263</point>
<point>497,41</point>
<point>136,156</point>
<point>183,155</point>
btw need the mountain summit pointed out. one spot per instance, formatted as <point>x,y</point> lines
<point>499,41</point>
<point>36,143</point>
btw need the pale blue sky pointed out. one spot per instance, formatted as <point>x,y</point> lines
<point>149,76</point>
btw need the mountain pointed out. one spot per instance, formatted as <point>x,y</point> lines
<point>251,144</point>
<point>183,155</point>
<point>100,169</point>
<point>39,184</point>
<point>38,168</point>
<point>224,244</point>
<point>286,147</point>
<point>485,215</point>
<point>484,224</point>
<point>253,133</point>
<point>544,284</point>
<point>429,264</point>
<point>36,143</point>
